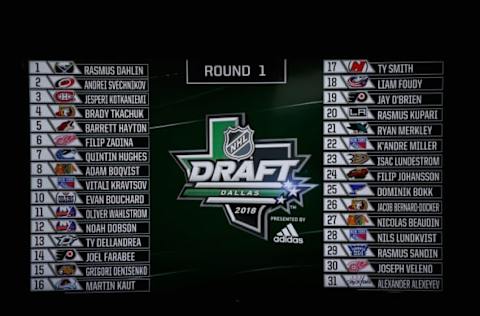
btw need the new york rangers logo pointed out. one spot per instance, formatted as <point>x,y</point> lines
<point>238,143</point>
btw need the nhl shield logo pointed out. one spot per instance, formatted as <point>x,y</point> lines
<point>238,144</point>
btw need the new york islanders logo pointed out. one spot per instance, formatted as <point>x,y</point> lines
<point>249,178</point>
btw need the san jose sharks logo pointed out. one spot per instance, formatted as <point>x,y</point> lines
<point>248,178</point>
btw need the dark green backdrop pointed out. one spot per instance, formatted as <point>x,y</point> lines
<point>194,247</point>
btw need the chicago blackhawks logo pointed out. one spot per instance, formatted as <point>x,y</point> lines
<point>248,178</point>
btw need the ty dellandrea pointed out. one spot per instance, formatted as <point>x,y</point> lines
<point>249,178</point>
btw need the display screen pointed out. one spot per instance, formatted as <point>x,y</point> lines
<point>176,175</point>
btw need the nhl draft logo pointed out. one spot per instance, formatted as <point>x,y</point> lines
<point>249,178</point>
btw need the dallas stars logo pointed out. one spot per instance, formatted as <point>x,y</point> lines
<point>248,178</point>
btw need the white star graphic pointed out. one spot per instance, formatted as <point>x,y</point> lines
<point>293,191</point>
<point>280,200</point>
<point>288,185</point>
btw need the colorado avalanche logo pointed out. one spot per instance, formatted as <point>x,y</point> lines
<point>238,143</point>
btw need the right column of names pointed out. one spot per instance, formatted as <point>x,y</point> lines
<point>383,160</point>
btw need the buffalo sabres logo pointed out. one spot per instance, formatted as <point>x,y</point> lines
<point>248,179</point>
<point>238,143</point>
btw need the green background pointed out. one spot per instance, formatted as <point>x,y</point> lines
<point>194,247</point>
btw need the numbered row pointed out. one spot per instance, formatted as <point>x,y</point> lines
<point>382,252</point>
<point>86,155</point>
<point>76,226</point>
<point>378,267</point>
<point>372,98</point>
<point>97,113</point>
<point>381,206</point>
<point>365,281</point>
<point>82,97</point>
<point>383,145</point>
<point>72,68</point>
<point>73,197</point>
<point>381,221</point>
<point>85,285</point>
<point>74,140</point>
<point>378,129</point>
<point>383,67</point>
<point>87,127</point>
<point>373,236</point>
<point>87,170</point>
<point>390,160</point>
<point>71,82</point>
<point>81,241</point>
<point>373,175</point>
<point>85,213</point>
<point>73,183</point>
<point>356,82</point>
<point>364,189</point>
<point>66,269</point>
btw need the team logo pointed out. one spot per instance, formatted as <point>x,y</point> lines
<point>65,154</point>
<point>288,235</point>
<point>66,269</point>
<point>64,83</point>
<point>358,128</point>
<point>357,97</point>
<point>65,240</point>
<point>65,226</point>
<point>65,168</point>
<point>355,187</point>
<point>358,173</point>
<point>64,67</point>
<point>66,197</point>
<point>358,205</point>
<point>66,183</point>
<point>249,178</point>
<point>65,111</point>
<point>64,140</point>
<point>357,81</point>
<point>358,250</point>
<point>66,284</point>
<point>66,126</point>
<point>358,142</point>
<point>359,234</point>
<point>358,158</point>
<point>65,255</point>
<point>357,66</point>
<point>358,112</point>
<point>64,96</point>
<point>65,211</point>
<point>357,220</point>
<point>357,265</point>
<point>358,280</point>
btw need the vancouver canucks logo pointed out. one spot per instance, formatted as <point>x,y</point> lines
<point>249,178</point>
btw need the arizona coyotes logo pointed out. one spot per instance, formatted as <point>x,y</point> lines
<point>249,178</point>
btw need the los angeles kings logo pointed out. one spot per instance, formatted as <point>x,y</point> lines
<point>249,178</point>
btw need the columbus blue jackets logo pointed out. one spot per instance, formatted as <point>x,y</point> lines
<point>248,178</point>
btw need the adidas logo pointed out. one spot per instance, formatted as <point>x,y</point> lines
<point>288,235</point>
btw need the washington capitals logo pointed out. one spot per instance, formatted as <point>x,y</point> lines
<point>249,178</point>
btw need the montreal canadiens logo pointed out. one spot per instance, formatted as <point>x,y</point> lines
<point>64,96</point>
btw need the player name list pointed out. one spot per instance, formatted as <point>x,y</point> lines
<point>90,177</point>
<point>383,176</point>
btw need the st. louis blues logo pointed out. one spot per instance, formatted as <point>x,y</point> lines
<point>249,178</point>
